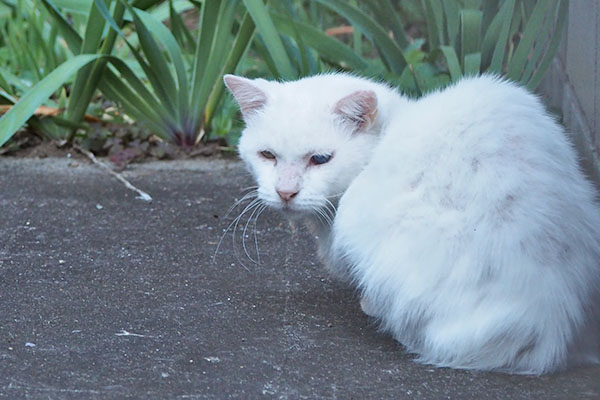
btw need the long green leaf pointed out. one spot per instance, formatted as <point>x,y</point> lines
<point>389,50</point>
<point>270,36</point>
<point>562,14</point>
<point>218,47</point>
<point>493,47</point>
<point>86,81</point>
<point>470,33</point>
<point>472,64</point>
<point>67,31</point>
<point>517,64</point>
<point>452,18</point>
<point>435,22</point>
<point>452,62</point>
<point>544,36</point>
<point>390,18</point>
<point>180,32</point>
<point>329,48</point>
<point>157,62</point>
<point>153,109</point>
<point>157,81</point>
<point>209,16</point>
<point>24,109</point>
<point>239,48</point>
<point>170,44</point>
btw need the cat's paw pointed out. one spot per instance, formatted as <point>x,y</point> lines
<point>367,307</point>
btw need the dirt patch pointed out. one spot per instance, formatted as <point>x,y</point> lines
<point>28,145</point>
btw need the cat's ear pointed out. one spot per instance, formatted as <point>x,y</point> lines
<point>357,110</point>
<point>248,95</point>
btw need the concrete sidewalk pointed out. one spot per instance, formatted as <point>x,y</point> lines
<point>105,296</point>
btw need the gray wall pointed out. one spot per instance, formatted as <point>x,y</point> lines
<point>572,86</point>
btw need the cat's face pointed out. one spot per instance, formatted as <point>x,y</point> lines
<point>303,145</point>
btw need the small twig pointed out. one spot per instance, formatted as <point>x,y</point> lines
<point>16,145</point>
<point>125,333</point>
<point>142,195</point>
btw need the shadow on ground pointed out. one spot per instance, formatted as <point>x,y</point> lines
<point>105,296</point>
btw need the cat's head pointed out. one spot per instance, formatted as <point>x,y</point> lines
<point>305,141</point>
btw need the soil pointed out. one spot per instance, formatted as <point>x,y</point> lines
<point>28,145</point>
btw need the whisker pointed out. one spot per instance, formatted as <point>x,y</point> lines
<point>331,208</point>
<point>262,209</point>
<point>249,207</point>
<point>326,215</point>
<point>247,188</point>
<point>247,196</point>
<point>244,233</point>
<point>322,216</point>
<point>236,219</point>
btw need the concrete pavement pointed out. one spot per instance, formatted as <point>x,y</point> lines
<point>104,296</point>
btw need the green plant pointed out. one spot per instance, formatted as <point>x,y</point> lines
<point>516,38</point>
<point>171,92</point>
<point>30,49</point>
<point>293,44</point>
<point>169,78</point>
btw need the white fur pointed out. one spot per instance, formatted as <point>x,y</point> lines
<point>463,219</point>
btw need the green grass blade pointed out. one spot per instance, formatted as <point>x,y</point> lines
<point>154,108</point>
<point>544,36</point>
<point>390,52</point>
<point>490,9</point>
<point>156,80</point>
<point>218,49</point>
<point>129,91</point>
<point>541,69</point>
<point>517,64</point>
<point>452,62</point>
<point>472,64</point>
<point>4,84</point>
<point>145,4</point>
<point>260,48</point>
<point>435,23</point>
<point>270,36</point>
<point>170,44</point>
<point>180,31</point>
<point>472,4</point>
<point>470,34</point>
<point>307,64</point>
<point>156,59</point>
<point>209,15</point>
<point>506,19</point>
<point>70,35</point>
<point>40,43</point>
<point>24,109</point>
<point>87,78</point>
<point>494,43</point>
<point>93,30</point>
<point>329,48</point>
<point>388,17</point>
<point>13,80</point>
<point>452,18</point>
<point>240,46</point>
<point>74,6</point>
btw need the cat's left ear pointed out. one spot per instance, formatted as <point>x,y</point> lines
<point>248,95</point>
<point>357,110</point>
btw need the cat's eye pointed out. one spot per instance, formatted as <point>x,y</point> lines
<point>267,154</point>
<point>319,159</point>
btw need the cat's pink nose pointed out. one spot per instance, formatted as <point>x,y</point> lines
<point>286,195</point>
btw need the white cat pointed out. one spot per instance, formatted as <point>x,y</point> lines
<point>462,217</point>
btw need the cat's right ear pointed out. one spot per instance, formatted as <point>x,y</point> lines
<point>249,96</point>
<point>358,110</point>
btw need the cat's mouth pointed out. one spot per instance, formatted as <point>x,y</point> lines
<point>291,208</point>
